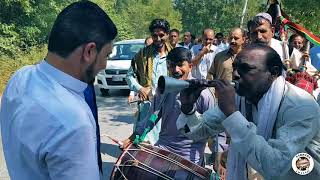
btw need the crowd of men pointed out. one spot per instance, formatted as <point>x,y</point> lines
<point>49,120</point>
<point>255,59</point>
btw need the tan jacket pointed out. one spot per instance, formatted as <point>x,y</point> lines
<point>221,67</point>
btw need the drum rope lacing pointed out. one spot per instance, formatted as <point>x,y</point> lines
<point>161,156</point>
<point>162,175</point>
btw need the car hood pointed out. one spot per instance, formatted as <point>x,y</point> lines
<point>118,64</point>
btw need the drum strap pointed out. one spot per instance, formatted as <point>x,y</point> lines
<point>154,118</point>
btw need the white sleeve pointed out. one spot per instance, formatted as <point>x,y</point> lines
<point>201,126</point>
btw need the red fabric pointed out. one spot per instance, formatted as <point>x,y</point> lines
<point>304,81</point>
<point>305,85</point>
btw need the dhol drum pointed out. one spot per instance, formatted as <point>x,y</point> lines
<point>139,162</point>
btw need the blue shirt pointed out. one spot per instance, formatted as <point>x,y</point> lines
<point>48,130</point>
<point>159,69</point>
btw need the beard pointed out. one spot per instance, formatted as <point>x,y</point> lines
<point>90,74</point>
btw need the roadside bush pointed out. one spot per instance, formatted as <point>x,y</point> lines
<point>9,65</point>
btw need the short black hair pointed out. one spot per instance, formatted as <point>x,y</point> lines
<point>175,30</point>
<point>219,34</point>
<point>80,23</point>
<point>193,37</point>
<point>159,23</point>
<point>179,54</point>
<point>272,58</point>
<point>296,35</point>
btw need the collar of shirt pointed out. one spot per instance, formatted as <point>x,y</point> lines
<point>184,44</point>
<point>62,78</point>
<point>231,52</point>
<point>158,59</point>
<point>190,76</point>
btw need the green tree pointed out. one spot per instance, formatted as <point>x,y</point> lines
<point>221,15</point>
<point>305,13</point>
<point>26,23</point>
<point>141,12</point>
<point>120,19</point>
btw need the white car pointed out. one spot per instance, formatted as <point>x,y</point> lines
<point>119,61</point>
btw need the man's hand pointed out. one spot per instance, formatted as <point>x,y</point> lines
<point>206,49</point>
<point>225,93</point>
<point>197,59</point>
<point>189,96</point>
<point>125,143</point>
<point>222,172</point>
<point>130,98</point>
<point>306,56</point>
<point>143,93</point>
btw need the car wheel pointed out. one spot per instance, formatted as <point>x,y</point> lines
<point>126,91</point>
<point>104,92</point>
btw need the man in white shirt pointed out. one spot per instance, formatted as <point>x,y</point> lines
<point>262,31</point>
<point>187,40</point>
<point>174,38</point>
<point>48,130</point>
<point>203,55</point>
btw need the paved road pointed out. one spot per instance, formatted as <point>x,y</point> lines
<point>116,120</point>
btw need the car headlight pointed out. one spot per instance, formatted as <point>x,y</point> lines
<point>101,72</point>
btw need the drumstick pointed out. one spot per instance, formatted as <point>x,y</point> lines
<point>114,140</point>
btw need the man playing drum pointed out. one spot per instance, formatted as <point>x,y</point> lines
<point>179,66</point>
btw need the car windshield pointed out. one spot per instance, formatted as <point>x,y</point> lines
<point>125,51</point>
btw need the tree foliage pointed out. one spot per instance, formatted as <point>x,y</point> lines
<point>120,20</point>
<point>306,13</point>
<point>141,12</point>
<point>26,23</point>
<point>222,15</point>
